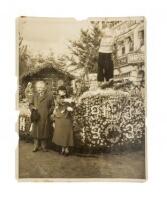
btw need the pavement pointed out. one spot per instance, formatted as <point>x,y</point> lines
<point>127,165</point>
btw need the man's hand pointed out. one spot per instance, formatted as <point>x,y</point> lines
<point>32,107</point>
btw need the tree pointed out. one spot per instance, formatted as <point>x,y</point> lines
<point>24,56</point>
<point>85,50</point>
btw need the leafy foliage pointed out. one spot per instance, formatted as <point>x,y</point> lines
<point>23,56</point>
<point>85,50</point>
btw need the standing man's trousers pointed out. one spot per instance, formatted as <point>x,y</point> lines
<point>105,67</point>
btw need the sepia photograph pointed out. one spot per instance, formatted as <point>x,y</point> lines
<point>81,99</point>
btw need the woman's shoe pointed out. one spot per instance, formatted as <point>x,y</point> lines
<point>66,154</point>
<point>62,151</point>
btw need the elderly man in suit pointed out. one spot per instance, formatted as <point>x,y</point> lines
<point>42,106</point>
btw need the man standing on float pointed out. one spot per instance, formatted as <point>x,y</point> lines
<point>105,62</point>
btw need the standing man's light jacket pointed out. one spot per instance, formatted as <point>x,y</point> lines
<point>107,41</point>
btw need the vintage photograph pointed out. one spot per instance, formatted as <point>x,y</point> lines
<point>82,98</point>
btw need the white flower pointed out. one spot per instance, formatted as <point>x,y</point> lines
<point>61,92</point>
<point>54,112</point>
<point>69,108</point>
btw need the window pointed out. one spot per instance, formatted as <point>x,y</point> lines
<point>141,37</point>
<point>123,50</point>
<point>128,44</point>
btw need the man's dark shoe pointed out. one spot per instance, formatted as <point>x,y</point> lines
<point>35,150</point>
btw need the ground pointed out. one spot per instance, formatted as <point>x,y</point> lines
<point>52,165</point>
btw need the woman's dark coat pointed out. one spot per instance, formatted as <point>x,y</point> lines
<point>63,133</point>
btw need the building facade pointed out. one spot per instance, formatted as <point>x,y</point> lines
<point>129,50</point>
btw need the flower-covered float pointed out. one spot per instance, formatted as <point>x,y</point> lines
<point>110,118</point>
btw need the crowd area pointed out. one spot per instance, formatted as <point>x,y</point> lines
<point>110,118</point>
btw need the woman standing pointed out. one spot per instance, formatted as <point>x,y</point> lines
<point>63,133</point>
